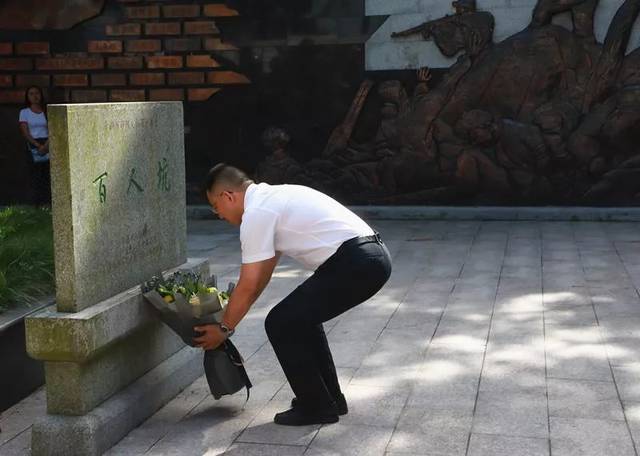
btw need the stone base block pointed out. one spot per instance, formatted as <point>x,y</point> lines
<point>96,432</point>
<point>76,388</point>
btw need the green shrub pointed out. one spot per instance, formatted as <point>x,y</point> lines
<point>26,255</point>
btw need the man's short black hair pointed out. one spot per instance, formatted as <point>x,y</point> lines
<point>229,176</point>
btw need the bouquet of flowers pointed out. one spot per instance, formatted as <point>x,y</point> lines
<point>184,300</point>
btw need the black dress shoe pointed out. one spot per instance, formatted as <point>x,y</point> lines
<point>297,416</point>
<point>341,404</point>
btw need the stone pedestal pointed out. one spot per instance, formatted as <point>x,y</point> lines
<point>107,369</point>
<point>119,217</point>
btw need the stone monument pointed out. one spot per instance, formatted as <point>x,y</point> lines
<point>119,214</point>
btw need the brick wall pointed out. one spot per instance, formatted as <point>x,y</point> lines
<point>159,50</point>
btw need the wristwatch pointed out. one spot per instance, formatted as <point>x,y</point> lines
<point>226,330</point>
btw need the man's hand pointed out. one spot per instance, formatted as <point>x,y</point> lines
<point>212,338</point>
<point>424,74</point>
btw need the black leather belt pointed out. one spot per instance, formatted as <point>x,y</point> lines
<point>362,240</point>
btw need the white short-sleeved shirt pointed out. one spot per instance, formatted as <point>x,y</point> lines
<point>297,221</point>
<point>37,123</point>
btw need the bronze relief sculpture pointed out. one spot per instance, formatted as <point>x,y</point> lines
<point>547,116</point>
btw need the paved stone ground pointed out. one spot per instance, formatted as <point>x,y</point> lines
<point>491,338</point>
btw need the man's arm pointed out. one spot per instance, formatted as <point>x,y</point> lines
<point>254,277</point>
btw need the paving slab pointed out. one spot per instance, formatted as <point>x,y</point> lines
<point>514,338</point>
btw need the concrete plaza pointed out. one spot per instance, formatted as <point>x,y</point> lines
<point>491,338</point>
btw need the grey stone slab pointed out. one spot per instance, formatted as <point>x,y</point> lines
<point>373,406</point>
<point>451,363</point>
<point>588,364</point>
<point>500,445</point>
<point>517,328</point>
<point>409,317</point>
<point>584,399</point>
<point>357,440</point>
<point>116,194</point>
<point>386,376</point>
<point>353,328</point>
<point>619,309</point>
<point>431,394</point>
<point>252,449</point>
<point>424,431</point>
<point>19,445</point>
<point>264,364</point>
<point>397,348</point>
<point>461,332</point>
<point>522,272</point>
<point>578,315</point>
<point>577,353</point>
<point>350,354</point>
<point>162,422</point>
<point>199,440</point>
<point>527,300</point>
<point>567,298</point>
<point>212,426</point>
<point>512,414</point>
<point>632,413</point>
<point>19,418</point>
<point>584,437</point>
<point>627,379</point>
<point>529,354</point>
<point>263,430</point>
<point>514,369</point>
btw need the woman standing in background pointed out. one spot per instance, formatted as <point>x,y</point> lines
<point>33,126</point>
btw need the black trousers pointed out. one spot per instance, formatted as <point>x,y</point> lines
<point>41,180</point>
<point>358,269</point>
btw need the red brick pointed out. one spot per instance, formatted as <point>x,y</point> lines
<point>162,28</point>
<point>146,79</point>
<point>13,64</point>
<point>216,44</point>
<point>201,94</point>
<point>70,63</point>
<point>26,80</point>
<point>166,95</point>
<point>11,96</point>
<point>32,48</point>
<point>181,11</point>
<point>201,61</point>
<point>200,28</point>
<point>182,44</point>
<point>227,77</point>
<point>123,63</point>
<point>108,79</point>
<point>186,78</point>
<point>105,46</point>
<point>142,12</point>
<point>6,48</point>
<point>164,61</point>
<point>123,29</point>
<point>143,45</point>
<point>88,96</point>
<point>219,10</point>
<point>127,95</point>
<point>70,80</point>
<point>6,80</point>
